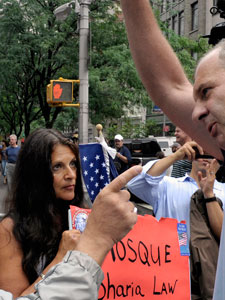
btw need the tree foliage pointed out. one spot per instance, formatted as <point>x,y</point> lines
<point>114,82</point>
<point>35,48</point>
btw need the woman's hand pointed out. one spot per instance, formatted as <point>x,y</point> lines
<point>68,241</point>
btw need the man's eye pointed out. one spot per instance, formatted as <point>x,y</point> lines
<point>205,91</point>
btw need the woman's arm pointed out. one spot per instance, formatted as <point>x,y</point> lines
<point>69,241</point>
<point>12,277</point>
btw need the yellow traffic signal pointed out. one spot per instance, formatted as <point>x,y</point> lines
<point>60,92</point>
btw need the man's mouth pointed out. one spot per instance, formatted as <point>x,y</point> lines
<point>212,129</point>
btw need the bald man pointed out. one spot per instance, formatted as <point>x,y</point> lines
<point>198,109</point>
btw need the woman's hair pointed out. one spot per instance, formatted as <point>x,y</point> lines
<point>5,142</point>
<point>39,217</point>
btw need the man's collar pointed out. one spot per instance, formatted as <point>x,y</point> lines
<point>187,177</point>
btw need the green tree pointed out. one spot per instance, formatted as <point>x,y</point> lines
<point>34,49</point>
<point>114,82</point>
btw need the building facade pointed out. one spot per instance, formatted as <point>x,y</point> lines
<point>190,18</point>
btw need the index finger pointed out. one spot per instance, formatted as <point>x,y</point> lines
<point>214,166</point>
<point>193,144</point>
<point>119,182</point>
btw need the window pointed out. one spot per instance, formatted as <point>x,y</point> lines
<point>194,13</point>
<point>163,144</point>
<point>181,23</point>
<point>175,24</point>
<point>168,21</point>
<point>162,9</point>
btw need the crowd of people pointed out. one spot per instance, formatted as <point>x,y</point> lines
<point>35,239</point>
<point>197,109</point>
<point>37,249</point>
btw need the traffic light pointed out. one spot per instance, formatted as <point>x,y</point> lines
<point>60,91</point>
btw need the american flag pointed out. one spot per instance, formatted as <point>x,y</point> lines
<point>94,169</point>
<point>182,239</point>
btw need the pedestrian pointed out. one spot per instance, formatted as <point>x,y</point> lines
<point>4,160</point>
<point>11,154</point>
<point>123,156</point>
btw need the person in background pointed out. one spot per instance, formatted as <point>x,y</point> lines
<point>205,232</point>
<point>175,146</point>
<point>171,198</point>
<point>123,156</point>
<point>181,167</point>
<point>4,160</point>
<point>78,275</point>
<point>160,154</point>
<point>11,153</point>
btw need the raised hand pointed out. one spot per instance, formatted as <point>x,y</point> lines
<point>187,151</point>
<point>111,218</point>
<point>68,241</point>
<point>206,181</point>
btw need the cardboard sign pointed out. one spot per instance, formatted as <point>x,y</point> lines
<point>149,263</point>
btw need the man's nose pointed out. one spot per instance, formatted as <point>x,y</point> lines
<point>199,112</point>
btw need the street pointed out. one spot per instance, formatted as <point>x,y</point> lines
<point>3,193</point>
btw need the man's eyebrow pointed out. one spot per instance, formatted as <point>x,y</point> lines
<point>198,90</point>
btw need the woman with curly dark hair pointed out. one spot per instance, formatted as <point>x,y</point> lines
<point>47,180</point>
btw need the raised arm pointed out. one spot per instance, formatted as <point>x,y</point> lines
<point>186,151</point>
<point>161,71</point>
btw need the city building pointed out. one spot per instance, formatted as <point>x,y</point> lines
<point>188,18</point>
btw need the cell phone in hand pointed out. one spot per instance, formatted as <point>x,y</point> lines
<point>198,155</point>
